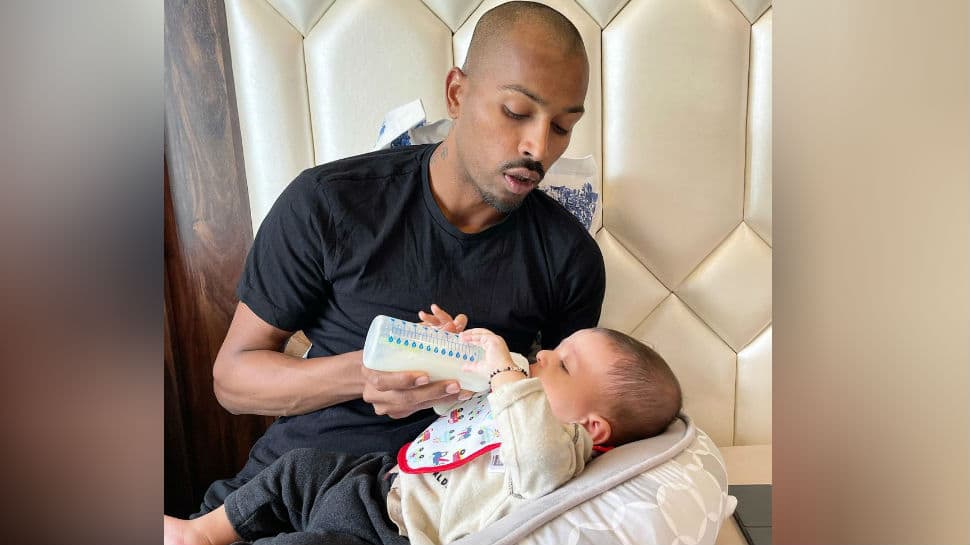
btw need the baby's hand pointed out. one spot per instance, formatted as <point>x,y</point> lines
<point>497,356</point>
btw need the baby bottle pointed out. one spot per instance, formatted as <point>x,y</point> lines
<point>399,345</point>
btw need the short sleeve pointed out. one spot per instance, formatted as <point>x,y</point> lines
<point>284,280</point>
<point>581,287</point>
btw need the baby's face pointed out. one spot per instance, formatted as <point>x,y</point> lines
<point>574,374</point>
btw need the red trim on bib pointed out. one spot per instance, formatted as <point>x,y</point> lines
<point>402,460</point>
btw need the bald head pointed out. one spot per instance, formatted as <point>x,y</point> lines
<point>532,19</point>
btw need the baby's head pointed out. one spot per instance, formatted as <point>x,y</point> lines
<point>618,388</point>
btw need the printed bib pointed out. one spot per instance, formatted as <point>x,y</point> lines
<point>451,441</point>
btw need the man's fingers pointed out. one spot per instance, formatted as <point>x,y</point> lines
<point>403,412</point>
<point>440,319</point>
<point>402,380</point>
<point>427,319</point>
<point>443,317</point>
<point>401,403</point>
<point>445,321</point>
<point>408,387</point>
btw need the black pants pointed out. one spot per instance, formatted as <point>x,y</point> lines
<point>312,497</point>
<point>350,427</point>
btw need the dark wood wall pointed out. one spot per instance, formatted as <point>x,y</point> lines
<point>207,234</point>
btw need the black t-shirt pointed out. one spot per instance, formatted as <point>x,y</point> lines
<point>363,236</point>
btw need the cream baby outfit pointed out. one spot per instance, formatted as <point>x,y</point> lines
<point>537,455</point>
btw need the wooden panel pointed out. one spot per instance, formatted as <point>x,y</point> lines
<point>179,493</point>
<point>207,235</point>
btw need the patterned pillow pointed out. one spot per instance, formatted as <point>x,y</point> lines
<point>667,489</point>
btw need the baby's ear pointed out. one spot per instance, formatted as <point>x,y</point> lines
<point>599,428</point>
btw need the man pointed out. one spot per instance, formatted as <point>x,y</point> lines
<point>389,232</point>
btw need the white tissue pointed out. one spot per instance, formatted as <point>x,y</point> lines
<point>398,121</point>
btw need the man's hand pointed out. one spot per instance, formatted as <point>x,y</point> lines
<point>400,394</point>
<point>442,320</point>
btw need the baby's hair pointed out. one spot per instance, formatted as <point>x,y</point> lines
<point>644,395</point>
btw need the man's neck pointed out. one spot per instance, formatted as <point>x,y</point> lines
<point>458,199</point>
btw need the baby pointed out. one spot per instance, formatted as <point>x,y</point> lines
<point>598,387</point>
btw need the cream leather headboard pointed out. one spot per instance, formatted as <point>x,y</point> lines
<point>678,118</point>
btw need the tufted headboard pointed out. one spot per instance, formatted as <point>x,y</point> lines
<point>678,118</point>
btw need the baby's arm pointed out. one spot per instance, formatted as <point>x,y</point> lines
<point>539,452</point>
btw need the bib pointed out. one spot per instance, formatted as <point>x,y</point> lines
<point>454,439</point>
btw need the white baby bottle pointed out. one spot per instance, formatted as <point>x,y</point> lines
<point>399,345</point>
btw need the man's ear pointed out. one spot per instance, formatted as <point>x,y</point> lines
<point>455,87</point>
<point>599,428</point>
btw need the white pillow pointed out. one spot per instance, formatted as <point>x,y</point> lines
<point>671,488</point>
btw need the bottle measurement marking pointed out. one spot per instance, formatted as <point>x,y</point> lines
<point>419,337</point>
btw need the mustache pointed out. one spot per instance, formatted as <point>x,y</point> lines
<point>534,166</point>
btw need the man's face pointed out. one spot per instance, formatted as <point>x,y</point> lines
<point>517,116</point>
<point>574,374</point>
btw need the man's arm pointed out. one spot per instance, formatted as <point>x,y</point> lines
<point>252,376</point>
